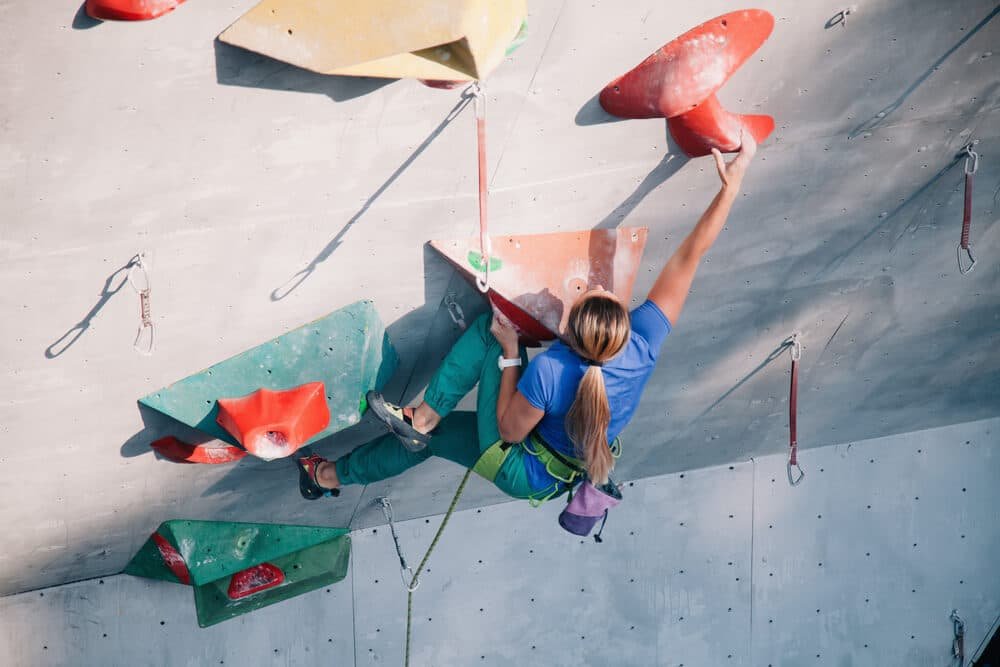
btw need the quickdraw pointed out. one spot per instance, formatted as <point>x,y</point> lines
<point>479,102</point>
<point>138,278</point>
<point>841,16</point>
<point>795,347</point>
<point>971,167</point>
<point>958,643</point>
<point>455,311</point>
<point>404,569</point>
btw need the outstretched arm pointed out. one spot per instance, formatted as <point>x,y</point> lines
<point>674,282</point>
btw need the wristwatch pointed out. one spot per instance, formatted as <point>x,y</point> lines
<point>507,363</point>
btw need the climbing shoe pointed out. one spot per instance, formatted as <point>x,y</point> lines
<point>400,425</point>
<point>309,486</point>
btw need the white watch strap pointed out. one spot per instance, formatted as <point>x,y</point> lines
<point>507,363</point>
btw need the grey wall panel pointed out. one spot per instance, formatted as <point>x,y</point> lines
<point>124,620</point>
<point>506,586</point>
<point>863,562</point>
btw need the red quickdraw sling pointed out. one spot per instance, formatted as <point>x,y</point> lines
<point>971,167</point>
<point>795,346</point>
<point>479,101</point>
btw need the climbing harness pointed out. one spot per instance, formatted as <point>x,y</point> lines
<point>455,311</point>
<point>795,347</point>
<point>138,278</point>
<point>958,643</point>
<point>479,102</point>
<point>971,167</point>
<point>414,582</point>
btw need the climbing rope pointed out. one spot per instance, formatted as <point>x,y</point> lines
<point>479,102</point>
<point>138,278</point>
<point>795,347</point>
<point>958,643</point>
<point>414,582</point>
<point>971,167</point>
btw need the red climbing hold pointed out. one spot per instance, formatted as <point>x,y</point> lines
<point>181,452</point>
<point>530,330</point>
<point>679,82</point>
<point>254,580</point>
<point>172,558</point>
<point>273,424</point>
<point>129,10</point>
<point>709,126</point>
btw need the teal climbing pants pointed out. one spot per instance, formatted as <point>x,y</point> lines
<point>461,436</point>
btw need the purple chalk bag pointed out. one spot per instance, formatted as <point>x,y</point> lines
<point>588,505</point>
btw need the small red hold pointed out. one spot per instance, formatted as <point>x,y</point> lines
<point>443,84</point>
<point>254,580</point>
<point>129,10</point>
<point>274,424</point>
<point>172,559</point>
<point>679,82</point>
<point>181,452</point>
<point>530,331</point>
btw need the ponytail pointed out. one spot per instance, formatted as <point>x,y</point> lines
<point>587,425</point>
<point>598,329</point>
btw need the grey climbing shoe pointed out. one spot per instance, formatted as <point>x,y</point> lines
<point>400,425</point>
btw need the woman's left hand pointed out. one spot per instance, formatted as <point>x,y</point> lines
<point>505,333</point>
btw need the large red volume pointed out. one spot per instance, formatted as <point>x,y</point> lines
<point>679,82</point>
<point>273,424</point>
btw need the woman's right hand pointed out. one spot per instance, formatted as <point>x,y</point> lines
<point>731,174</point>
<point>505,333</point>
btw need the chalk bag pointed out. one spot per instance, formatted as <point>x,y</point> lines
<point>588,505</point>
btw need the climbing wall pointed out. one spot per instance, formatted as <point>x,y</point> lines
<point>268,196</point>
<point>860,564</point>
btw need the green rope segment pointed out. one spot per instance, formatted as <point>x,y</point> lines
<point>420,568</point>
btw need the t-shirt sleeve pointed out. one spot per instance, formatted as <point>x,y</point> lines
<point>537,383</point>
<point>649,322</point>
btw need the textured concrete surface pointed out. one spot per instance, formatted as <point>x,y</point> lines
<point>269,196</point>
<point>861,564</point>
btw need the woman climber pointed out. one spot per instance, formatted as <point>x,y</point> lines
<point>533,436</point>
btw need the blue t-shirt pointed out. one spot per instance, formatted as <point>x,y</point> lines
<point>551,379</point>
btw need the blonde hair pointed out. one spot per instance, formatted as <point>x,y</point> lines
<point>598,329</point>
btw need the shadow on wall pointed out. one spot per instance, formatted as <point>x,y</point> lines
<point>671,163</point>
<point>591,113</point>
<point>112,285</point>
<point>82,21</point>
<point>880,117</point>
<point>920,207</point>
<point>238,67</point>
<point>298,278</point>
